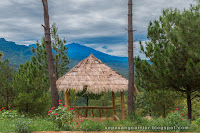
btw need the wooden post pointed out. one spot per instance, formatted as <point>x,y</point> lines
<point>106,113</point>
<point>92,113</point>
<point>100,113</point>
<point>77,112</point>
<point>122,105</point>
<point>67,100</point>
<point>85,113</point>
<point>113,102</point>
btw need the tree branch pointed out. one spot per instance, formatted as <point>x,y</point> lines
<point>195,97</point>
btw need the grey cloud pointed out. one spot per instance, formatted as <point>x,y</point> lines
<point>20,20</point>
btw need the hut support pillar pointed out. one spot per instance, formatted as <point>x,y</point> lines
<point>67,100</point>
<point>122,105</point>
<point>113,102</point>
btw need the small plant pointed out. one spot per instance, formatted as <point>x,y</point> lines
<point>89,125</point>
<point>22,125</point>
<point>175,118</point>
<point>175,121</point>
<point>9,114</point>
<point>62,116</point>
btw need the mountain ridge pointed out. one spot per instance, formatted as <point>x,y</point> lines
<point>19,54</point>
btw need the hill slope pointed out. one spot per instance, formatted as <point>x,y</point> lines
<point>19,54</point>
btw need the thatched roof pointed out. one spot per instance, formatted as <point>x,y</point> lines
<point>94,75</point>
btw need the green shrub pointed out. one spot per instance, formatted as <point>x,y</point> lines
<point>22,125</point>
<point>89,125</point>
<point>62,116</point>
<point>8,114</point>
<point>173,122</point>
<point>137,119</point>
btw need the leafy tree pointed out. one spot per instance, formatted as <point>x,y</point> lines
<point>60,53</point>
<point>31,89</point>
<point>6,90</point>
<point>32,82</point>
<point>174,52</point>
<point>157,102</point>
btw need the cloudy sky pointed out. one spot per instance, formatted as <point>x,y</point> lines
<point>99,24</point>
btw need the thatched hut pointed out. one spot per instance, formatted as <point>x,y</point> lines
<point>97,77</point>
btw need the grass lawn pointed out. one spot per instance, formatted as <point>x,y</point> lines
<point>43,124</point>
<point>37,124</point>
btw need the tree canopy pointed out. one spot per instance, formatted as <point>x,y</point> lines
<point>173,49</point>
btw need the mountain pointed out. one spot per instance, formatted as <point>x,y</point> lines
<point>19,54</point>
<point>77,52</point>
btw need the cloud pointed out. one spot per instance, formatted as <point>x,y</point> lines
<point>83,21</point>
<point>120,49</point>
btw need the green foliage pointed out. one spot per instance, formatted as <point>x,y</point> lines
<point>157,102</point>
<point>60,51</point>
<point>31,84</point>
<point>6,78</point>
<point>89,125</point>
<point>31,90</point>
<point>37,124</point>
<point>22,125</point>
<point>62,116</point>
<point>88,96</point>
<point>175,118</point>
<point>4,114</point>
<point>174,52</point>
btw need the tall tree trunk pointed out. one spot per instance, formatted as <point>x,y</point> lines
<point>189,105</point>
<point>7,96</point>
<point>130,60</point>
<point>164,111</point>
<point>52,78</point>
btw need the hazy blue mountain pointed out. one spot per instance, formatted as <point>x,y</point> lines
<point>19,54</point>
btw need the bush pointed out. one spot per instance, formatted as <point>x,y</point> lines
<point>62,116</point>
<point>174,122</point>
<point>8,113</point>
<point>22,125</point>
<point>89,125</point>
<point>138,119</point>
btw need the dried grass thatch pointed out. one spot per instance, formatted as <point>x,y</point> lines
<point>94,75</point>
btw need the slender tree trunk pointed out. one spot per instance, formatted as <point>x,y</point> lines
<point>189,104</point>
<point>7,96</point>
<point>52,78</point>
<point>164,112</point>
<point>130,60</point>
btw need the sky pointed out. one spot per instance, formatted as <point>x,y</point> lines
<point>99,24</point>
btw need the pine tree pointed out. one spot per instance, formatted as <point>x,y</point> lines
<point>60,57</point>
<point>6,89</point>
<point>31,89</point>
<point>174,52</point>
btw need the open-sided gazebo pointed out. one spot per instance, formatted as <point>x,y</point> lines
<point>96,77</point>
